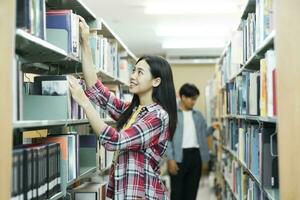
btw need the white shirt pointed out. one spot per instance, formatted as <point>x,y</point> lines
<point>189,139</point>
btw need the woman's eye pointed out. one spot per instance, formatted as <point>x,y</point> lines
<point>140,73</point>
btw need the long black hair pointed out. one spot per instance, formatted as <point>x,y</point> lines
<point>164,94</point>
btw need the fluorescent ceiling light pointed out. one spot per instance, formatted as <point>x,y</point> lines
<point>192,7</point>
<point>193,44</point>
<point>213,31</point>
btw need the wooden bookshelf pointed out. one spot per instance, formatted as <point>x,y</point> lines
<point>7,29</point>
<point>287,44</point>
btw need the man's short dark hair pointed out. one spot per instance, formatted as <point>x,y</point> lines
<point>189,90</point>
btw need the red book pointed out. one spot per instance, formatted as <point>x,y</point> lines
<point>274,92</point>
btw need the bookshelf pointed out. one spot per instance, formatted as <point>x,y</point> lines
<point>253,118</point>
<point>247,166</point>
<point>253,61</point>
<point>38,124</point>
<point>32,55</point>
<point>6,63</point>
<point>29,46</point>
<point>287,45</point>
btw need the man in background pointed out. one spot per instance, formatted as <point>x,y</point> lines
<point>188,148</point>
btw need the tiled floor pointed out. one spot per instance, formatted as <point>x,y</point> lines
<point>205,191</point>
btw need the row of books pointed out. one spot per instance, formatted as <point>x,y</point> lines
<point>36,172</point>
<point>243,94</point>
<point>31,17</point>
<point>49,98</point>
<point>256,148</point>
<point>241,184</point>
<point>46,165</point>
<point>249,35</point>
<point>254,93</point>
<point>77,152</point>
<point>264,23</point>
<point>107,58</point>
<point>59,27</point>
<point>248,38</point>
<point>105,54</point>
<point>257,27</point>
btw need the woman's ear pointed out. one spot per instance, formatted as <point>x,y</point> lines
<point>156,82</point>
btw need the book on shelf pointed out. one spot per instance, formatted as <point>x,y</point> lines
<point>51,100</point>
<point>270,178</point>
<point>105,54</point>
<point>249,32</point>
<point>252,146</point>
<point>88,145</point>
<point>62,29</point>
<point>274,92</point>
<point>31,17</point>
<point>245,93</point>
<point>239,182</point>
<point>90,190</point>
<point>36,172</point>
<point>271,66</point>
<point>254,93</point>
<point>263,88</point>
<point>78,154</point>
<point>96,50</point>
<point>264,19</point>
<point>268,85</point>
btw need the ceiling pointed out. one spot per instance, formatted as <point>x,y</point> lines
<point>139,31</point>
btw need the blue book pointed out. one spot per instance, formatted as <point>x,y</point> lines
<point>255,151</point>
<point>245,93</point>
<point>88,141</point>
<point>59,28</point>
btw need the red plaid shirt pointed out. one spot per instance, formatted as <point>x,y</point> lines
<point>136,173</point>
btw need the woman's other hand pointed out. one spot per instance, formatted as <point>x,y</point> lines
<point>77,92</point>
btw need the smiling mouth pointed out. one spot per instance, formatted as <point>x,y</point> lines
<point>132,84</point>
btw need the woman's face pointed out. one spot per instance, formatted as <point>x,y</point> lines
<point>141,80</point>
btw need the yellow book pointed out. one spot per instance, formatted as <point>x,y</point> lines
<point>35,134</point>
<point>263,88</point>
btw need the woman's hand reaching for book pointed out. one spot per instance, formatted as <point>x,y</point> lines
<point>88,68</point>
<point>77,92</point>
<point>84,31</point>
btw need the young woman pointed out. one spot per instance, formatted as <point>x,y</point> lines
<point>143,126</point>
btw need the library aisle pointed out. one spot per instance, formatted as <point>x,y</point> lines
<point>241,58</point>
